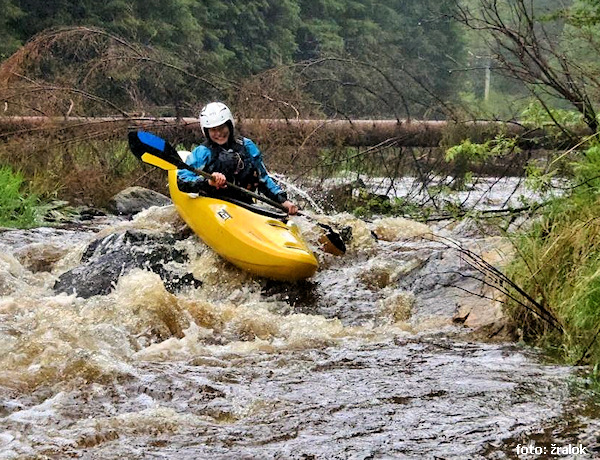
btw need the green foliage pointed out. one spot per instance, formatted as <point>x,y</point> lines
<point>467,153</point>
<point>253,35</point>
<point>164,24</point>
<point>559,265</point>
<point>468,150</point>
<point>587,172</point>
<point>392,59</point>
<point>18,206</point>
<point>241,37</point>
<point>366,205</point>
<point>537,116</point>
<point>506,100</point>
<point>583,13</point>
<point>538,178</point>
<point>548,49</point>
<point>389,56</point>
<point>500,145</point>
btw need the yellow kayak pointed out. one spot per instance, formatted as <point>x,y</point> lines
<point>260,243</point>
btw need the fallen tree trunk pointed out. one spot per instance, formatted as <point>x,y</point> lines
<point>364,133</point>
<point>414,133</point>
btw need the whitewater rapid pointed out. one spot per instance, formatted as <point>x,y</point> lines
<point>364,360</point>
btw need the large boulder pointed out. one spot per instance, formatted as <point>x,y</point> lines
<point>105,260</point>
<point>135,199</point>
<point>445,285</point>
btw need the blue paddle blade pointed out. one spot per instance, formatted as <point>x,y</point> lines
<point>154,150</point>
<point>151,140</point>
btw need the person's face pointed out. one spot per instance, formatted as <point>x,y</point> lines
<point>219,134</point>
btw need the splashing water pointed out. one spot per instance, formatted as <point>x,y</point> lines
<point>363,360</point>
<point>298,191</point>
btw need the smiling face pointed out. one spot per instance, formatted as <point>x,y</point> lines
<point>219,134</point>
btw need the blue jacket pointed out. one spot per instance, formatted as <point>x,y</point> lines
<point>201,155</point>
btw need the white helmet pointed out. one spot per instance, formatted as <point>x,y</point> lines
<point>215,114</point>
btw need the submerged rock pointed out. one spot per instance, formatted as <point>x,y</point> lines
<point>107,259</point>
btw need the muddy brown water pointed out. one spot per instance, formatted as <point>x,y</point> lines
<point>348,365</point>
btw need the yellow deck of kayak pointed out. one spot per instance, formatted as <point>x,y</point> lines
<point>262,245</point>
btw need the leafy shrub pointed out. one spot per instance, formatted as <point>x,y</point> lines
<point>537,116</point>
<point>467,153</point>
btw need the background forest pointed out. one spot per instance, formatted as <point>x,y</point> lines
<point>396,59</point>
<point>358,58</point>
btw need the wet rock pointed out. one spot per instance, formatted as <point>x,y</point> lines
<point>135,199</point>
<point>40,257</point>
<point>107,259</point>
<point>445,286</point>
<point>472,228</point>
<point>88,213</point>
<point>486,320</point>
<point>301,295</point>
<point>39,249</point>
<point>59,212</point>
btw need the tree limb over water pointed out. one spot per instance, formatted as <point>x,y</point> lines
<point>353,133</point>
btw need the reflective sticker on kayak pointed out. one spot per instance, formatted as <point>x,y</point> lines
<point>223,214</point>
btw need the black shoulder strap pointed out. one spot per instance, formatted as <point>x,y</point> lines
<point>241,145</point>
<point>239,141</point>
<point>213,156</point>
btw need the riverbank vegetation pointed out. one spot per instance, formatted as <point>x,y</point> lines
<point>19,206</point>
<point>558,265</point>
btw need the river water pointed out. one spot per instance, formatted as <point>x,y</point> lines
<point>356,363</point>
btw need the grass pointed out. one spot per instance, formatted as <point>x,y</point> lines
<point>18,206</point>
<point>559,266</point>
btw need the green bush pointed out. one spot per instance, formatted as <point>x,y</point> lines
<point>467,153</point>
<point>537,116</point>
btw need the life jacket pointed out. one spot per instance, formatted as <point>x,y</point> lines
<point>234,162</point>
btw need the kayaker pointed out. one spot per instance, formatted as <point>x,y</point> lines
<point>228,158</point>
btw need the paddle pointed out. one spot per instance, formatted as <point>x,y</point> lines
<point>156,151</point>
